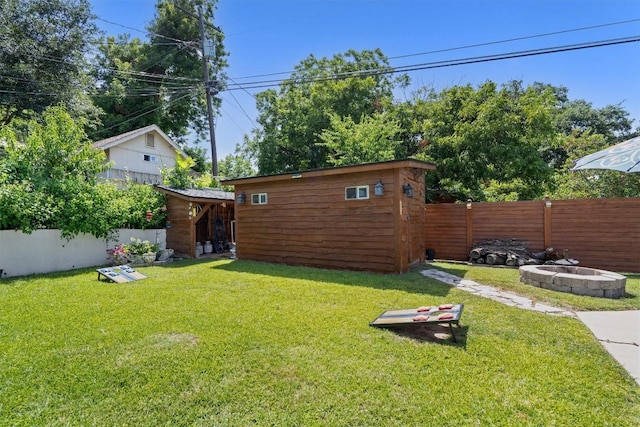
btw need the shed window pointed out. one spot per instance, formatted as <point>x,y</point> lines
<point>359,192</point>
<point>259,199</point>
<point>150,143</point>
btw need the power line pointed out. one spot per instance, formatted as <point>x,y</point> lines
<point>516,39</point>
<point>495,42</point>
<point>438,64</point>
<point>143,113</point>
<point>144,32</point>
<point>242,109</point>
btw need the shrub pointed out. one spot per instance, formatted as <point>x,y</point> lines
<point>140,247</point>
<point>48,179</point>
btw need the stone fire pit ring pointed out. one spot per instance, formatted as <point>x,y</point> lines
<point>576,280</point>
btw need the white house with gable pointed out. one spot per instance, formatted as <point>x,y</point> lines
<point>139,155</point>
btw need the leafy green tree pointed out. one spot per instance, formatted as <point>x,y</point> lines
<point>129,100</point>
<point>180,176</point>
<point>410,115</point>
<point>161,82</point>
<point>236,165</point>
<point>596,183</point>
<point>579,117</point>
<point>48,179</point>
<point>54,149</point>
<point>199,156</point>
<point>293,117</point>
<point>373,138</point>
<point>42,57</point>
<point>488,138</point>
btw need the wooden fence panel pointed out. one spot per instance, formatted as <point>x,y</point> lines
<point>522,220</point>
<point>446,232</point>
<point>599,233</point>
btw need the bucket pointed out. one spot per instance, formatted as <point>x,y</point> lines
<point>431,254</point>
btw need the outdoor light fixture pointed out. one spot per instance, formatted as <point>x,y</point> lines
<point>241,198</point>
<point>407,189</point>
<point>378,189</point>
<point>468,203</point>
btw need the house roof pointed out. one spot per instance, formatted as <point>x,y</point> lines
<point>113,141</point>
<point>197,194</point>
<point>366,167</point>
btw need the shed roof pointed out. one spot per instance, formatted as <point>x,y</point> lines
<point>338,170</point>
<point>197,194</point>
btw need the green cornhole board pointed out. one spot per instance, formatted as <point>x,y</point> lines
<point>120,274</point>
<point>406,317</point>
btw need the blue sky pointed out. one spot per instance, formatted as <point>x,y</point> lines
<point>272,36</point>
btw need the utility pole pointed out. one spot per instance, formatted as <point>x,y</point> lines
<point>211,88</point>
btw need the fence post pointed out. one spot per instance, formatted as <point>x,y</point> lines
<point>547,222</point>
<point>469,225</point>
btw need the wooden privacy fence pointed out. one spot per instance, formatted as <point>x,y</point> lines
<point>599,233</point>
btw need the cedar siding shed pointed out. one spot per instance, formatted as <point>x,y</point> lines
<point>197,215</point>
<point>332,218</point>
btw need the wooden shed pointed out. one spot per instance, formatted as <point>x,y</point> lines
<point>365,217</point>
<point>198,216</point>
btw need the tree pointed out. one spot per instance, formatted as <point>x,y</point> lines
<point>372,139</point>
<point>579,117</point>
<point>293,117</point>
<point>48,175</point>
<point>160,81</point>
<point>199,156</point>
<point>591,183</point>
<point>180,176</point>
<point>237,165</point>
<point>44,43</point>
<point>485,141</point>
<point>48,179</point>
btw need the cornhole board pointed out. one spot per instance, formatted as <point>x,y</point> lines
<point>448,314</point>
<point>120,274</point>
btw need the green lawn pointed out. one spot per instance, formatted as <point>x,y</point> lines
<point>233,343</point>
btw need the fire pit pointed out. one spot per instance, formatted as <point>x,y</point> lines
<point>575,280</point>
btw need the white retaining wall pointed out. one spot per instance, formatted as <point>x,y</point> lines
<point>44,251</point>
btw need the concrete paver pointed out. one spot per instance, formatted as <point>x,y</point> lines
<point>617,331</point>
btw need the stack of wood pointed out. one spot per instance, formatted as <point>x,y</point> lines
<point>511,252</point>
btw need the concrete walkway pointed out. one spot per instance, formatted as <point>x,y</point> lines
<point>617,331</point>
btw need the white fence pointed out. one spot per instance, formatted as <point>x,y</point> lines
<point>44,251</point>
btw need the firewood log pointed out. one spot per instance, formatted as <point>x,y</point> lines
<point>477,253</point>
<point>511,260</point>
<point>495,259</point>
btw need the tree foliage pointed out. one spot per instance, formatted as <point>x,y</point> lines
<point>595,183</point>
<point>160,82</point>
<point>43,44</point>
<point>238,164</point>
<point>48,179</point>
<point>485,141</point>
<point>374,138</point>
<point>579,117</point>
<point>293,117</point>
<point>180,175</point>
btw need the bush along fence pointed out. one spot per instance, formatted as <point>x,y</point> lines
<point>598,233</point>
<point>45,251</point>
